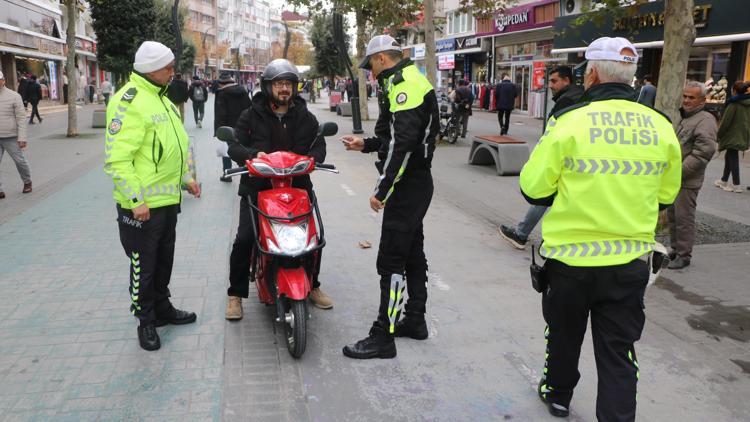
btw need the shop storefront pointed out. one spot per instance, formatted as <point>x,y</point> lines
<point>719,55</point>
<point>30,43</point>
<point>521,40</point>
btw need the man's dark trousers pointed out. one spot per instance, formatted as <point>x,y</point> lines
<point>401,250</point>
<point>34,111</point>
<point>503,118</point>
<point>198,110</point>
<point>244,243</point>
<point>682,222</point>
<point>150,247</point>
<point>614,297</point>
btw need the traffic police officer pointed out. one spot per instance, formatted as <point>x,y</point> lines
<point>405,140</point>
<point>146,153</point>
<point>605,166</point>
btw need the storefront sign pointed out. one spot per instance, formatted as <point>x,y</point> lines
<point>50,47</point>
<point>537,82</point>
<point>442,46</point>
<point>84,45</point>
<point>462,43</point>
<point>446,62</point>
<point>518,19</point>
<point>52,80</point>
<point>16,38</point>
<point>419,52</point>
<point>712,18</point>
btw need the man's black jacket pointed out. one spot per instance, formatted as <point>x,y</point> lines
<point>566,97</point>
<point>505,95</point>
<point>260,129</point>
<point>178,91</point>
<point>230,102</point>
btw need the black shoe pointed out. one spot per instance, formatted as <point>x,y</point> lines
<point>415,328</point>
<point>31,123</point>
<point>378,344</point>
<point>148,337</point>
<point>556,410</point>
<point>678,263</point>
<point>672,255</point>
<point>176,317</point>
<point>509,234</point>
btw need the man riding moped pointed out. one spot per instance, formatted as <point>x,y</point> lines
<point>277,120</point>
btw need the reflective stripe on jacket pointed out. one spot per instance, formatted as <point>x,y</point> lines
<point>146,147</point>
<point>605,166</point>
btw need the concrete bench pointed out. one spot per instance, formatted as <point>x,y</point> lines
<point>99,119</point>
<point>344,109</point>
<point>508,154</point>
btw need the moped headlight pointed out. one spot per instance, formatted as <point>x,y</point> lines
<point>290,238</point>
<point>264,169</point>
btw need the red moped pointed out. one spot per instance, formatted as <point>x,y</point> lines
<point>289,235</point>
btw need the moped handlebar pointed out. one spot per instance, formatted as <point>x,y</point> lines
<point>325,166</point>
<point>235,171</point>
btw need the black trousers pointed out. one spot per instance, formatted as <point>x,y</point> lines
<point>731,166</point>
<point>243,247</point>
<point>198,110</point>
<point>463,116</point>
<point>401,261</point>
<point>503,118</point>
<point>150,247</point>
<point>65,94</point>
<point>34,111</point>
<point>614,297</point>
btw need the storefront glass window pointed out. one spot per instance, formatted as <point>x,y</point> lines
<point>13,14</point>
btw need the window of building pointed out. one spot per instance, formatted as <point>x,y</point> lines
<point>459,22</point>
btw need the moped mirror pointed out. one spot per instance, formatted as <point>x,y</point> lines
<point>225,134</point>
<point>328,129</point>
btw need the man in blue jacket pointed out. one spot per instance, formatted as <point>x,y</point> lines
<point>505,101</point>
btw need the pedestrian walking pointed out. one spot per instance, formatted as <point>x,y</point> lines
<point>23,82</point>
<point>647,95</point>
<point>91,90</point>
<point>178,94</point>
<point>199,95</point>
<point>696,130</point>
<point>231,100</point>
<point>605,168</point>
<point>34,95</point>
<point>106,89</point>
<point>65,88</point>
<point>565,94</point>
<point>405,141</point>
<point>464,98</point>
<point>733,136</point>
<point>146,152</point>
<point>505,102</point>
<point>13,138</point>
<point>277,120</point>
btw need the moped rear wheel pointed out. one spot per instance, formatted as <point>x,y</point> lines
<point>295,327</point>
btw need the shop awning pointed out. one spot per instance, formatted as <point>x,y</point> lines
<point>719,39</point>
<point>86,53</point>
<point>30,53</point>
<point>464,51</point>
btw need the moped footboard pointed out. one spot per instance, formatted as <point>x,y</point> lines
<point>293,283</point>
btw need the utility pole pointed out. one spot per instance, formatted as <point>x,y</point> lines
<point>177,33</point>
<point>430,58</point>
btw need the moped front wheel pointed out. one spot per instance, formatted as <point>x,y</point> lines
<point>295,327</point>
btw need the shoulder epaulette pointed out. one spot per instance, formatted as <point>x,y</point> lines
<point>398,78</point>
<point>129,95</point>
<point>571,108</point>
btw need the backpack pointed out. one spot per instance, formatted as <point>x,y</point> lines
<point>198,93</point>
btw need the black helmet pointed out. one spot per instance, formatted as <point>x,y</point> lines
<point>277,70</point>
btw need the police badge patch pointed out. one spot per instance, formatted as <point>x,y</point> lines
<point>401,98</point>
<point>114,126</point>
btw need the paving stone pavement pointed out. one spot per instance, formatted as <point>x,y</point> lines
<point>68,344</point>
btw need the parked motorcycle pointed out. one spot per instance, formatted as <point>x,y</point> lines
<point>449,121</point>
<point>289,235</point>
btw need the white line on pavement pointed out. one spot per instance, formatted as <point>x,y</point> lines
<point>348,190</point>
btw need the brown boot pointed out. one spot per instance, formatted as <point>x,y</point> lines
<point>234,308</point>
<point>320,299</point>
<point>27,187</point>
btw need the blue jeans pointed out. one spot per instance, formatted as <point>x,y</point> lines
<point>530,220</point>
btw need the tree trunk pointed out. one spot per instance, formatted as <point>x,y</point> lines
<point>177,34</point>
<point>430,59</point>
<point>70,66</point>
<point>287,39</point>
<point>361,47</point>
<point>679,34</point>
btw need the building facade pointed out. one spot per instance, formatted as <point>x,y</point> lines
<point>245,30</point>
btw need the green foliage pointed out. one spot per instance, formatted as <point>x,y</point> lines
<point>188,56</point>
<point>483,9</point>
<point>121,26</point>
<point>326,60</point>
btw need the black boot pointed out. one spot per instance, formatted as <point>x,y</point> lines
<point>379,344</point>
<point>175,317</point>
<point>148,337</point>
<point>554,409</point>
<point>412,326</point>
